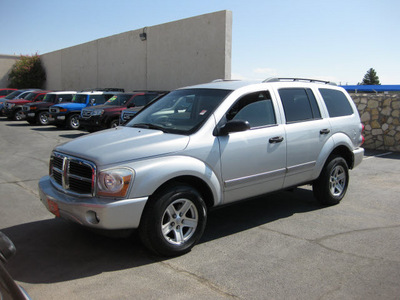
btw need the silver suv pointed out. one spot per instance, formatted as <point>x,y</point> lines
<point>204,146</point>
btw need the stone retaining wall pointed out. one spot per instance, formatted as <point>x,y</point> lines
<point>380,113</point>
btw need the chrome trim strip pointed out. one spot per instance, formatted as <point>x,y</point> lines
<point>262,176</point>
<point>301,168</point>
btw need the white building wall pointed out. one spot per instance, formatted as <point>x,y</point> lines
<point>6,63</point>
<point>180,53</point>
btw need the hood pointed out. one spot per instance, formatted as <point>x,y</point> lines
<point>70,105</point>
<point>123,144</point>
<point>19,101</point>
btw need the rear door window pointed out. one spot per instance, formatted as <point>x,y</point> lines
<point>299,104</point>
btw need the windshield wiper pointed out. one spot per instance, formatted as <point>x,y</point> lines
<point>149,126</point>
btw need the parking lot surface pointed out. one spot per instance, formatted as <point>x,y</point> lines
<point>279,246</point>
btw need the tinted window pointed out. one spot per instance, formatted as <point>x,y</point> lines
<point>98,99</point>
<point>140,100</point>
<point>79,98</point>
<point>181,111</point>
<point>336,103</point>
<point>65,98</point>
<point>50,98</point>
<point>256,108</point>
<point>299,104</point>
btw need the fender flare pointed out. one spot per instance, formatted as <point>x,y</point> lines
<point>161,170</point>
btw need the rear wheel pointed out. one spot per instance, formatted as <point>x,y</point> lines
<point>173,221</point>
<point>331,185</point>
<point>73,121</point>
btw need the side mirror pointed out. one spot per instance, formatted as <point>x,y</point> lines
<point>7,248</point>
<point>92,101</point>
<point>234,126</point>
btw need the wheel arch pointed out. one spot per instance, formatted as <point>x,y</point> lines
<point>195,182</point>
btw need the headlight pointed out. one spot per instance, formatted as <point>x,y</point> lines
<point>97,112</point>
<point>114,182</point>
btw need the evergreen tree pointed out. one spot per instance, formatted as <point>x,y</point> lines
<point>370,78</point>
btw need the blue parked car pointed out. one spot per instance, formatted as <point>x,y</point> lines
<point>67,114</point>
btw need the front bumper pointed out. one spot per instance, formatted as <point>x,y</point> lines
<point>92,122</point>
<point>92,212</point>
<point>56,118</point>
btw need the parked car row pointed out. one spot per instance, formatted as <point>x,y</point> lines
<point>92,110</point>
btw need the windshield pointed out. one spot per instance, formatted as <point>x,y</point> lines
<point>50,98</point>
<point>181,111</point>
<point>118,99</point>
<point>79,98</point>
<point>30,96</point>
<point>13,95</point>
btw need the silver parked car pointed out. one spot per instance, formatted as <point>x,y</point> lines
<point>204,146</point>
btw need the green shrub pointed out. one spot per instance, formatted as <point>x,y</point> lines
<point>27,72</point>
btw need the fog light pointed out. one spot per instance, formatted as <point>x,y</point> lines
<point>91,217</point>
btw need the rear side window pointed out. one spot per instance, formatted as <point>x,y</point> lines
<point>299,105</point>
<point>336,102</point>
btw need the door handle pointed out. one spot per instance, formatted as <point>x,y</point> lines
<point>276,139</point>
<point>324,131</point>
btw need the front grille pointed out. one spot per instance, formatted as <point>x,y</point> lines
<point>72,174</point>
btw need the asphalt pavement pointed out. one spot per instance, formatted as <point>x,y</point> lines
<point>279,246</point>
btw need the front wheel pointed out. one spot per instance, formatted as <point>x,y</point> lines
<point>43,118</point>
<point>331,185</point>
<point>114,123</point>
<point>174,220</point>
<point>73,121</point>
<point>19,115</point>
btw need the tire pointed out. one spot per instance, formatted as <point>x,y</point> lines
<point>73,121</point>
<point>114,123</point>
<point>18,115</point>
<point>331,185</point>
<point>43,118</point>
<point>173,220</point>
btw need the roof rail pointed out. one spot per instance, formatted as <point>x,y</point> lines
<point>276,79</point>
<point>224,80</point>
<point>104,90</point>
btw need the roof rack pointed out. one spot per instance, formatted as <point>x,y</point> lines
<point>224,80</point>
<point>276,79</point>
<point>149,91</point>
<point>104,90</point>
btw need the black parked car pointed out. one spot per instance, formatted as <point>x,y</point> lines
<point>9,289</point>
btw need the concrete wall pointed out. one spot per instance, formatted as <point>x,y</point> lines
<point>6,63</point>
<point>380,114</point>
<point>180,53</point>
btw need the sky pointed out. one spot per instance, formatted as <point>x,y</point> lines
<point>337,41</point>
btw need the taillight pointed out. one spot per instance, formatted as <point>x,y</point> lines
<point>362,134</point>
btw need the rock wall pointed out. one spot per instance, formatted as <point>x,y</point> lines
<point>380,113</point>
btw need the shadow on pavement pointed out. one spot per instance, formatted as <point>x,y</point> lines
<point>54,250</point>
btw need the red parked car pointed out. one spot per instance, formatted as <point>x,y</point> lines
<point>5,92</point>
<point>13,108</point>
